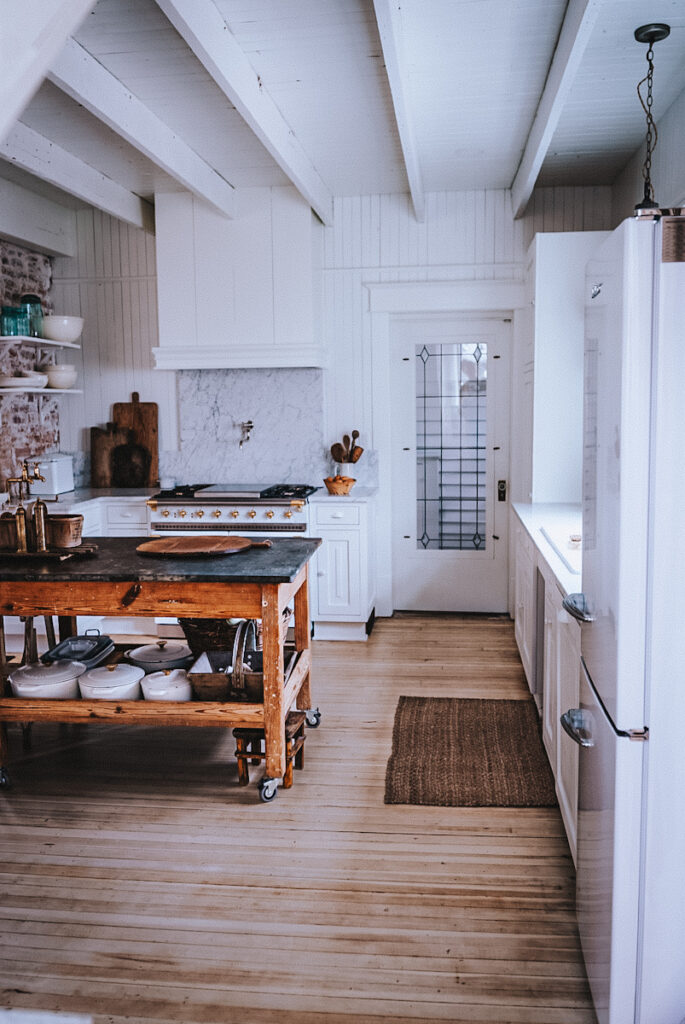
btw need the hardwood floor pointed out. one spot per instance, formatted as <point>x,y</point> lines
<point>140,884</point>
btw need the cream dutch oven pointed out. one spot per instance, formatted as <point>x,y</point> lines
<point>111,682</point>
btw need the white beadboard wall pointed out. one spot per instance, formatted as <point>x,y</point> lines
<point>465,236</point>
<point>111,283</point>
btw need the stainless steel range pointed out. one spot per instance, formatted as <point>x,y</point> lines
<point>231,508</point>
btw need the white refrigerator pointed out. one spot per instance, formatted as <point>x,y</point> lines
<point>630,724</point>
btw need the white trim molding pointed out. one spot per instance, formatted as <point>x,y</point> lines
<point>443,296</point>
<point>393,301</point>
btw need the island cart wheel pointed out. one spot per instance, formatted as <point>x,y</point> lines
<point>313,718</point>
<point>268,789</point>
<point>5,781</point>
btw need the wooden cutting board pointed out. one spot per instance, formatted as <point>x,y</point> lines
<point>185,547</point>
<point>102,444</point>
<point>140,418</point>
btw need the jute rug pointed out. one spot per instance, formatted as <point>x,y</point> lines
<point>457,752</point>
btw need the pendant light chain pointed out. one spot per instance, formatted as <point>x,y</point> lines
<point>652,134</point>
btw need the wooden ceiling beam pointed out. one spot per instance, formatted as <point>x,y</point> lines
<point>388,18</point>
<point>203,28</point>
<point>575,33</point>
<point>86,81</point>
<point>32,36</point>
<point>31,151</point>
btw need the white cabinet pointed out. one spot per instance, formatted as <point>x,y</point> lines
<point>125,518</point>
<point>341,593</point>
<point>550,644</point>
<point>525,602</point>
<point>568,695</point>
<point>238,293</point>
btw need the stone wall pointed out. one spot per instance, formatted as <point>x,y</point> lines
<point>29,423</point>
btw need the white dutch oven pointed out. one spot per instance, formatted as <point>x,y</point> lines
<point>56,681</point>
<point>171,684</point>
<point>111,682</point>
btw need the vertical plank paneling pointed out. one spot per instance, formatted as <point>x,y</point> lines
<point>111,283</point>
<point>466,235</point>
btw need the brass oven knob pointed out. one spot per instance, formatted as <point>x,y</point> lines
<point>235,513</point>
<point>288,514</point>
<point>217,513</point>
<point>200,512</point>
<point>165,513</point>
<point>270,514</point>
<point>182,513</point>
<point>251,514</point>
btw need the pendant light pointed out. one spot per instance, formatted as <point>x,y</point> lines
<point>649,34</point>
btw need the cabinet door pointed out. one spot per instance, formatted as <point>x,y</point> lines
<point>550,694</point>
<point>339,574</point>
<point>567,751</point>
<point>524,626</point>
<point>126,518</point>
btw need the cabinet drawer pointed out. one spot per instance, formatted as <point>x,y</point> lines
<point>124,514</point>
<point>336,515</point>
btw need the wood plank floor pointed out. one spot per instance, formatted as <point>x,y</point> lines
<point>140,884</point>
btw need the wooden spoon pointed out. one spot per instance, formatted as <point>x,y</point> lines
<point>355,435</point>
<point>346,447</point>
<point>338,453</point>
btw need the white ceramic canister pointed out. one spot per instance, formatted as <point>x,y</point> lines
<point>56,681</point>
<point>111,682</point>
<point>171,684</point>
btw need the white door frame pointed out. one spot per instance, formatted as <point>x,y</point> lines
<point>388,301</point>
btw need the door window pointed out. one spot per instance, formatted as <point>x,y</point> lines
<point>451,451</point>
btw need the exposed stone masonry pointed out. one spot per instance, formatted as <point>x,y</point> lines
<point>29,424</point>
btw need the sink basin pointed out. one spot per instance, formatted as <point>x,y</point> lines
<point>559,542</point>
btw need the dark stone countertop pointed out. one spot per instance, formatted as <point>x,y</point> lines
<point>118,560</point>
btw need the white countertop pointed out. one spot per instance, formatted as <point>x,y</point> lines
<point>356,494</point>
<point>550,527</point>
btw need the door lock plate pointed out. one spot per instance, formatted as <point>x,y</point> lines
<point>501,490</point>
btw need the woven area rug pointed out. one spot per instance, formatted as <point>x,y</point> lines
<point>456,752</point>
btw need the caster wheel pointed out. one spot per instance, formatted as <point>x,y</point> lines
<point>268,789</point>
<point>5,781</point>
<point>313,718</point>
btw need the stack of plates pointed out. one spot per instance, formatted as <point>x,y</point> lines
<point>30,379</point>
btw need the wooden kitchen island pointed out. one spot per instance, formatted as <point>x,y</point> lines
<point>258,583</point>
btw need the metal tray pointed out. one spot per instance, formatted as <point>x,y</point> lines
<point>89,649</point>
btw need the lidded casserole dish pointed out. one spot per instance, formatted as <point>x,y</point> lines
<point>161,655</point>
<point>56,681</point>
<point>111,682</point>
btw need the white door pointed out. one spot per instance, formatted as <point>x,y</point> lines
<point>450,433</point>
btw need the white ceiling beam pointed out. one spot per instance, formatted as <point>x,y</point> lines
<point>33,33</point>
<point>575,33</point>
<point>204,29</point>
<point>36,222</point>
<point>31,151</point>
<point>389,20</point>
<point>87,82</point>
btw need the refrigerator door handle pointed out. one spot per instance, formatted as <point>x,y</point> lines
<point>576,605</point>
<point>573,723</point>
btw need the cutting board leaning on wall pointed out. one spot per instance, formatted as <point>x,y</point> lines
<point>126,452</point>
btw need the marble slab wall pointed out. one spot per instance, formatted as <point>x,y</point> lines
<point>286,442</point>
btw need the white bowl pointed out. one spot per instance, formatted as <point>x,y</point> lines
<point>62,328</point>
<point>61,376</point>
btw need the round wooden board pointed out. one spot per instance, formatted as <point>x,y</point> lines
<point>188,547</point>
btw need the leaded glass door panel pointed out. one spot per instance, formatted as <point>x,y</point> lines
<point>450,443</point>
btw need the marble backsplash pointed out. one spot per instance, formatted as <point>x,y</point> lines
<point>286,443</point>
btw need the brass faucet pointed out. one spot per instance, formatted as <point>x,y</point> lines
<point>24,480</point>
<point>24,485</point>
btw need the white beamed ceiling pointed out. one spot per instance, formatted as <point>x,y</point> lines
<point>466,81</point>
